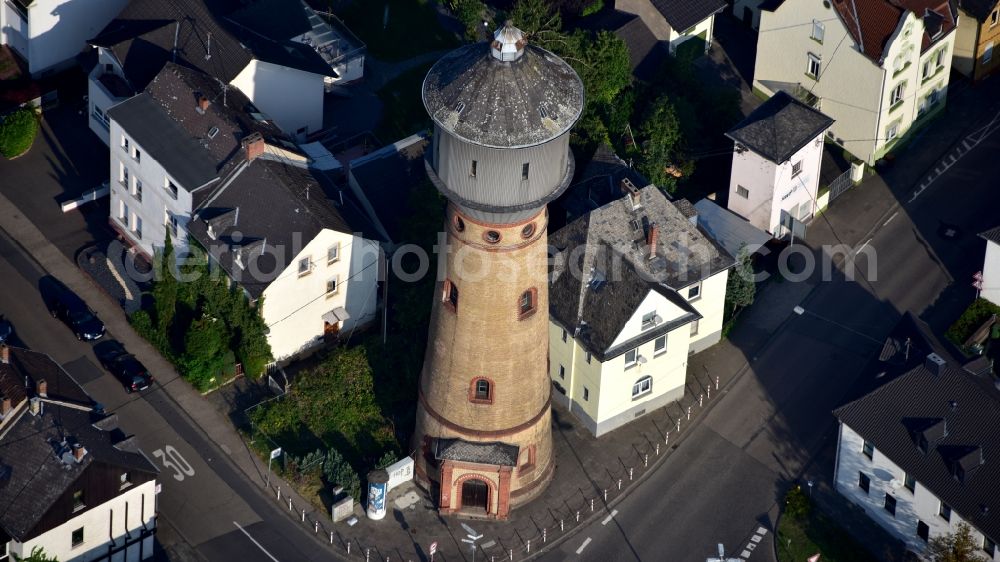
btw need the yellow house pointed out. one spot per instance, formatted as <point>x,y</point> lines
<point>978,34</point>
<point>635,289</point>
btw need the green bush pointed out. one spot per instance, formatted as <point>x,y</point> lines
<point>970,320</point>
<point>797,503</point>
<point>17,132</point>
<point>593,8</point>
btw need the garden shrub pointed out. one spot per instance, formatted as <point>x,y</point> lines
<point>796,503</point>
<point>17,132</point>
<point>970,320</point>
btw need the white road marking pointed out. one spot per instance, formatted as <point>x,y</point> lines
<point>586,541</point>
<point>888,220</point>
<point>609,517</point>
<point>862,247</point>
<point>253,540</point>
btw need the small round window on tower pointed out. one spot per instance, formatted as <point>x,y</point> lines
<point>491,236</point>
<point>528,231</point>
<point>459,223</point>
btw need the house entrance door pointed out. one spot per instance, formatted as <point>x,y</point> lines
<point>475,494</point>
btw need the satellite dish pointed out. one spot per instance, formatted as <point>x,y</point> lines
<point>895,484</point>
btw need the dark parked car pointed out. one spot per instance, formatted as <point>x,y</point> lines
<point>74,312</point>
<point>6,329</point>
<point>133,375</point>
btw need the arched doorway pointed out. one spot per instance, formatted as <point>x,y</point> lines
<point>475,495</point>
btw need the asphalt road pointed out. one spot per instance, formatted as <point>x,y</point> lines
<point>205,502</point>
<point>723,482</point>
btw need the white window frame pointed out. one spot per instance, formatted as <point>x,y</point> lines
<point>83,538</point>
<point>307,262</point>
<point>123,212</point>
<point>814,65</point>
<point>821,28</point>
<point>333,253</point>
<point>136,154</point>
<point>137,225</point>
<point>865,445</point>
<point>336,285</point>
<point>697,292</point>
<point>659,349</point>
<point>994,18</point>
<point>171,187</point>
<point>992,550</point>
<point>944,511</point>
<point>125,144</point>
<point>897,94</point>
<point>137,188</point>
<point>632,357</point>
<point>694,328</point>
<point>648,320</point>
<point>892,131</point>
<point>123,175</point>
<point>642,387</point>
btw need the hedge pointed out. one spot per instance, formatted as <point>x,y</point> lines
<point>970,320</point>
<point>17,132</point>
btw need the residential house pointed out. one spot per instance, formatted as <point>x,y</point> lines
<point>677,21</point>
<point>748,11</point>
<point>599,183</point>
<point>49,34</point>
<point>635,289</point>
<point>776,163</point>
<point>278,54</point>
<point>730,230</point>
<point>878,67</point>
<point>991,266</point>
<point>646,53</point>
<point>978,34</point>
<point>916,453</point>
<point>71,480</point>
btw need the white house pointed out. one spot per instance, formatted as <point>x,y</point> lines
<point>279,55</point>
<point>73,482</point>
<point>914,454</point>
<point>880,68</point>
<point>636,288</point>
<point>991,266</point>
<point>49,34</point>
<point>676,21</point>
<point>776,163</point>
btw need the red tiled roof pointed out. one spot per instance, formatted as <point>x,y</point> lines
<point>872,22</point>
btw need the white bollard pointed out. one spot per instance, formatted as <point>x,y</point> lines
<point>578,513</point>
<point>630,475</point>
<point>709,390</point>
<point>303,516</point>
<point>289,504</point>
<point>645,460</point>
<point>605,499</point>
<point>279,493</point>
<point>368,552</point>
<point>561,527</point>
<point>716,383</point>
<point>619,483</point>
<point>331,537</point>
<point>316,527</point>
<point>689,412</point>
<point>701,400</point>
<point>528,548</point>
<point>544,535</point>
<point>348,543</point>
<point>657,449</point>
<point>678,425</point>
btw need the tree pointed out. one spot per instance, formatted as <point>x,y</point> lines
<point>605,68</point>
<point>797,503</point>
<point>339,472</point>
<point>205,352</point>
<point>387,459</point>
<point>17,132</point>
<point>37,555</point>
<point>538,20</point>
<point>661,144</point>
<point>740,289</point>
<point>471,14</point>
<point>165,287</point>
<point>955,547</point>
<point>338,396</point>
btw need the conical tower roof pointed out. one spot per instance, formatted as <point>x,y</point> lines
<point>503,94</point>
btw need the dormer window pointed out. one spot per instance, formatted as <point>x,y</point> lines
<point>650,320</point>
<point>124,480</point>
<point>212,132</point>
<point>78,501</point>
<point>212,233</point>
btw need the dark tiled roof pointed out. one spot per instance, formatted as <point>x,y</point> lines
<point>683,14</point>
<point>780,127</point>
<point>993,235</point>
<point>646,53</point>
<point>980,9</point>
<point>480,99</point>
<point>607,281</point>
<point>495,453</point>
<point>922,402</point>
<point>599,183</point>
<point>281,209</point>
<point>388,176</point>
<point>275,19</point>
<point>32,473</point>
<point>873,22</point>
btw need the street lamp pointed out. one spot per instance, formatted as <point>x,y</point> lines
<point>801,311</point>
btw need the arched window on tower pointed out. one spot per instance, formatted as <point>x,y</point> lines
<point>449,296</point>
<point>527,303</point>
<point>481,391</point>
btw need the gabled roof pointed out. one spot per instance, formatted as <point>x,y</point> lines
<point>387,178</point>
<point>599,183</point>
<point>683,14</point>
<point>33,471</point>
<point>872,23</point>
<point>980,9</point>
<point>593,292</point>
<point>993,235</point>
<point>957,414</point>
<point>780,127</point>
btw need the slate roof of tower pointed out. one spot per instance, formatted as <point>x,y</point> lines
<point>142,38</point>
<point>892,415</point>
<point>598,296</point>
<point>483,100</point>
<point>32,476</point>
<point>993,235</point>
<point>871,23</point>
<point>683,14</point>
<point>780,127</point>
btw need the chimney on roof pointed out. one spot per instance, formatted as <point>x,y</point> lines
<point>35,406</point>
<point>4,354</point>
<point>5,407</point>
<point>629,188</point>
<point>203,104</point>
<point>652,238</point>
<point>43,388</point>
<point>254,146</point>
<point>79,452</point>
<point>935,364</point>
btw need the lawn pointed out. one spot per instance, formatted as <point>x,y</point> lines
<point>800,539</point>
<point>413,28</point>
<point>403,109</point>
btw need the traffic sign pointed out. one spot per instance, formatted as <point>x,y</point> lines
<point>275,453</point>
<point>814,558</point>
<point>433,548</point>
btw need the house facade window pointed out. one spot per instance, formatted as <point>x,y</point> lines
<point>989,547</point>
<point>137,154</point>
<point>76,538</point>
<point>137,189</point>
<point>890,504</point>
<point>649,320</point>
<point>923,531</point>
<point>171,188</point>
<point>818,30</point>
<point>631,357</point>
<point>944,511</point>
<point>892,131</point>
<point>524,171</point>
<point>171,223</point>
<point>642,387</point>
<point>333,253</point>
<point>78,501</point>
<point>589,357</point>
<point>137,226</point>
<point>123,176</point>
<point>988,52</point>
<point>864,482</point>
<point>813,66</point>
<point>910,483</point>
<point>564,334</point>
<point>123,212</point>
<point>125,144</point>
<point>450,295</point>
<point>305,266</point>
<point>868,449</point>
<point>796,168</point>
<point>124,480</point>
<point>562,372</point>
<point>586,394</point>
<point>694,291</point>
<point>994,18</point>
<point>660,345</point>
<point>527,303</point>
<point>897,94</point>
<point>332,285</point>
<point>742,192</point>
<point>694,328</point>
<point>481,391</point>
<point>473,169</point>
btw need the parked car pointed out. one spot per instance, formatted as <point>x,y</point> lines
<point>74,312</point>
<point>6,329</point>
<point>133,375</point>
